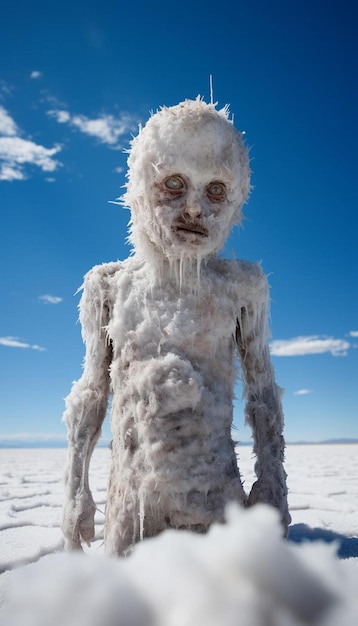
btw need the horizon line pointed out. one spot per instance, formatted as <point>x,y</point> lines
<point>61,443</point>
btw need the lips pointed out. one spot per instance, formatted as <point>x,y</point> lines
<point>191,227</point>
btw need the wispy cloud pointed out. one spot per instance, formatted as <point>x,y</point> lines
<point>302,392</point>
<point>313,344</point>
<point>105,128</point>
<point>353,333</point>
<point>15,342</point>
<point>7,124</point>
<point>16,152</point>
<point>47,299</point>
<point>60,115</point>
<point>36,74</point>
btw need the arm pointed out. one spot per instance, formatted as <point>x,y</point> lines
<point>263,400</point>
<point>85,411</point>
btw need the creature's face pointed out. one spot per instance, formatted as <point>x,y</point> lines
<point>191,203</point>
<point>192,185</point>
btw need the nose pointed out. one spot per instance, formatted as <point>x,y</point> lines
<point>193,209</point>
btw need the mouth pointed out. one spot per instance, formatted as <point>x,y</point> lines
<point>191,227</point>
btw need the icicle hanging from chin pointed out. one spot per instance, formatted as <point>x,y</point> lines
<point>185,271</point>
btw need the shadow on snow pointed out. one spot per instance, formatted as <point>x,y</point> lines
<point>347,547</point>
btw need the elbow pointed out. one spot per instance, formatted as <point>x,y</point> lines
<point>86,407</point>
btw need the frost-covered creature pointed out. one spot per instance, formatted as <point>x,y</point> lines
<point>162,331</point>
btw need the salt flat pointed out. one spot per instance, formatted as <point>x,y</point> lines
<point>322,481</point>
<point>323,499</point>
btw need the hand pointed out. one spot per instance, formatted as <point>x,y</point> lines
<point>271,492</point>
<point>78,521</point>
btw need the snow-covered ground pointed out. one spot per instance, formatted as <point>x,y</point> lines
<point>241,569</point>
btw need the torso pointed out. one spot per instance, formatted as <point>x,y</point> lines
<point>172,375</point>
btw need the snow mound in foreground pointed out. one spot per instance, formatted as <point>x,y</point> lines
<point>242,573</point>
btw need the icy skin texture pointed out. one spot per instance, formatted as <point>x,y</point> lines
<point>162,332</point>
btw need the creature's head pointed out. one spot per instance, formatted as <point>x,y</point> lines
<point>188,178</point>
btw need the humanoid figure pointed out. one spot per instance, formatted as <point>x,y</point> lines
<point>163,330</point>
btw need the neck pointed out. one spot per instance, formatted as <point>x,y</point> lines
<point>184,271</point>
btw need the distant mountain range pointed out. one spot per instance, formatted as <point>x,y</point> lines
<point>325,441</point>
<point>60,442</point>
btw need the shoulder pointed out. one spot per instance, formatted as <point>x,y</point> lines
<point>251,274</point>
<point>98,289</point>
<point>97,297</point>
<point>100,275</point>
<point>243,274</point>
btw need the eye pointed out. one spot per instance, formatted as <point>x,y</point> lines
<point>216,191</point>
<point>175,184</point>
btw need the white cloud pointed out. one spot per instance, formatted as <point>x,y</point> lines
<point>47,299</point>
<point>16,152</point>
<point>313,344</point>
<point>106,128</point>
<point>7,124</point>
<point>353,333</point>
<point>19,151</point>
<point>14,342</point>
<point>8,172</point>
<point>302,392</point>
<point>36,74</point>
<point>61,116</point>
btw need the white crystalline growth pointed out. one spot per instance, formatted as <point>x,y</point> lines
<point>163,330</point>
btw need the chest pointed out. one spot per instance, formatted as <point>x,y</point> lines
<point>148,320</point>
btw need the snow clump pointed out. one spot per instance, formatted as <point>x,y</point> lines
<point>241,572</point>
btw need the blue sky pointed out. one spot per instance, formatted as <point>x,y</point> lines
<point>75,81</point>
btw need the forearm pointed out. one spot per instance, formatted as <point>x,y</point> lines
<point>265,416</point>
<point>85,411</point>
<point>264,413</point>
